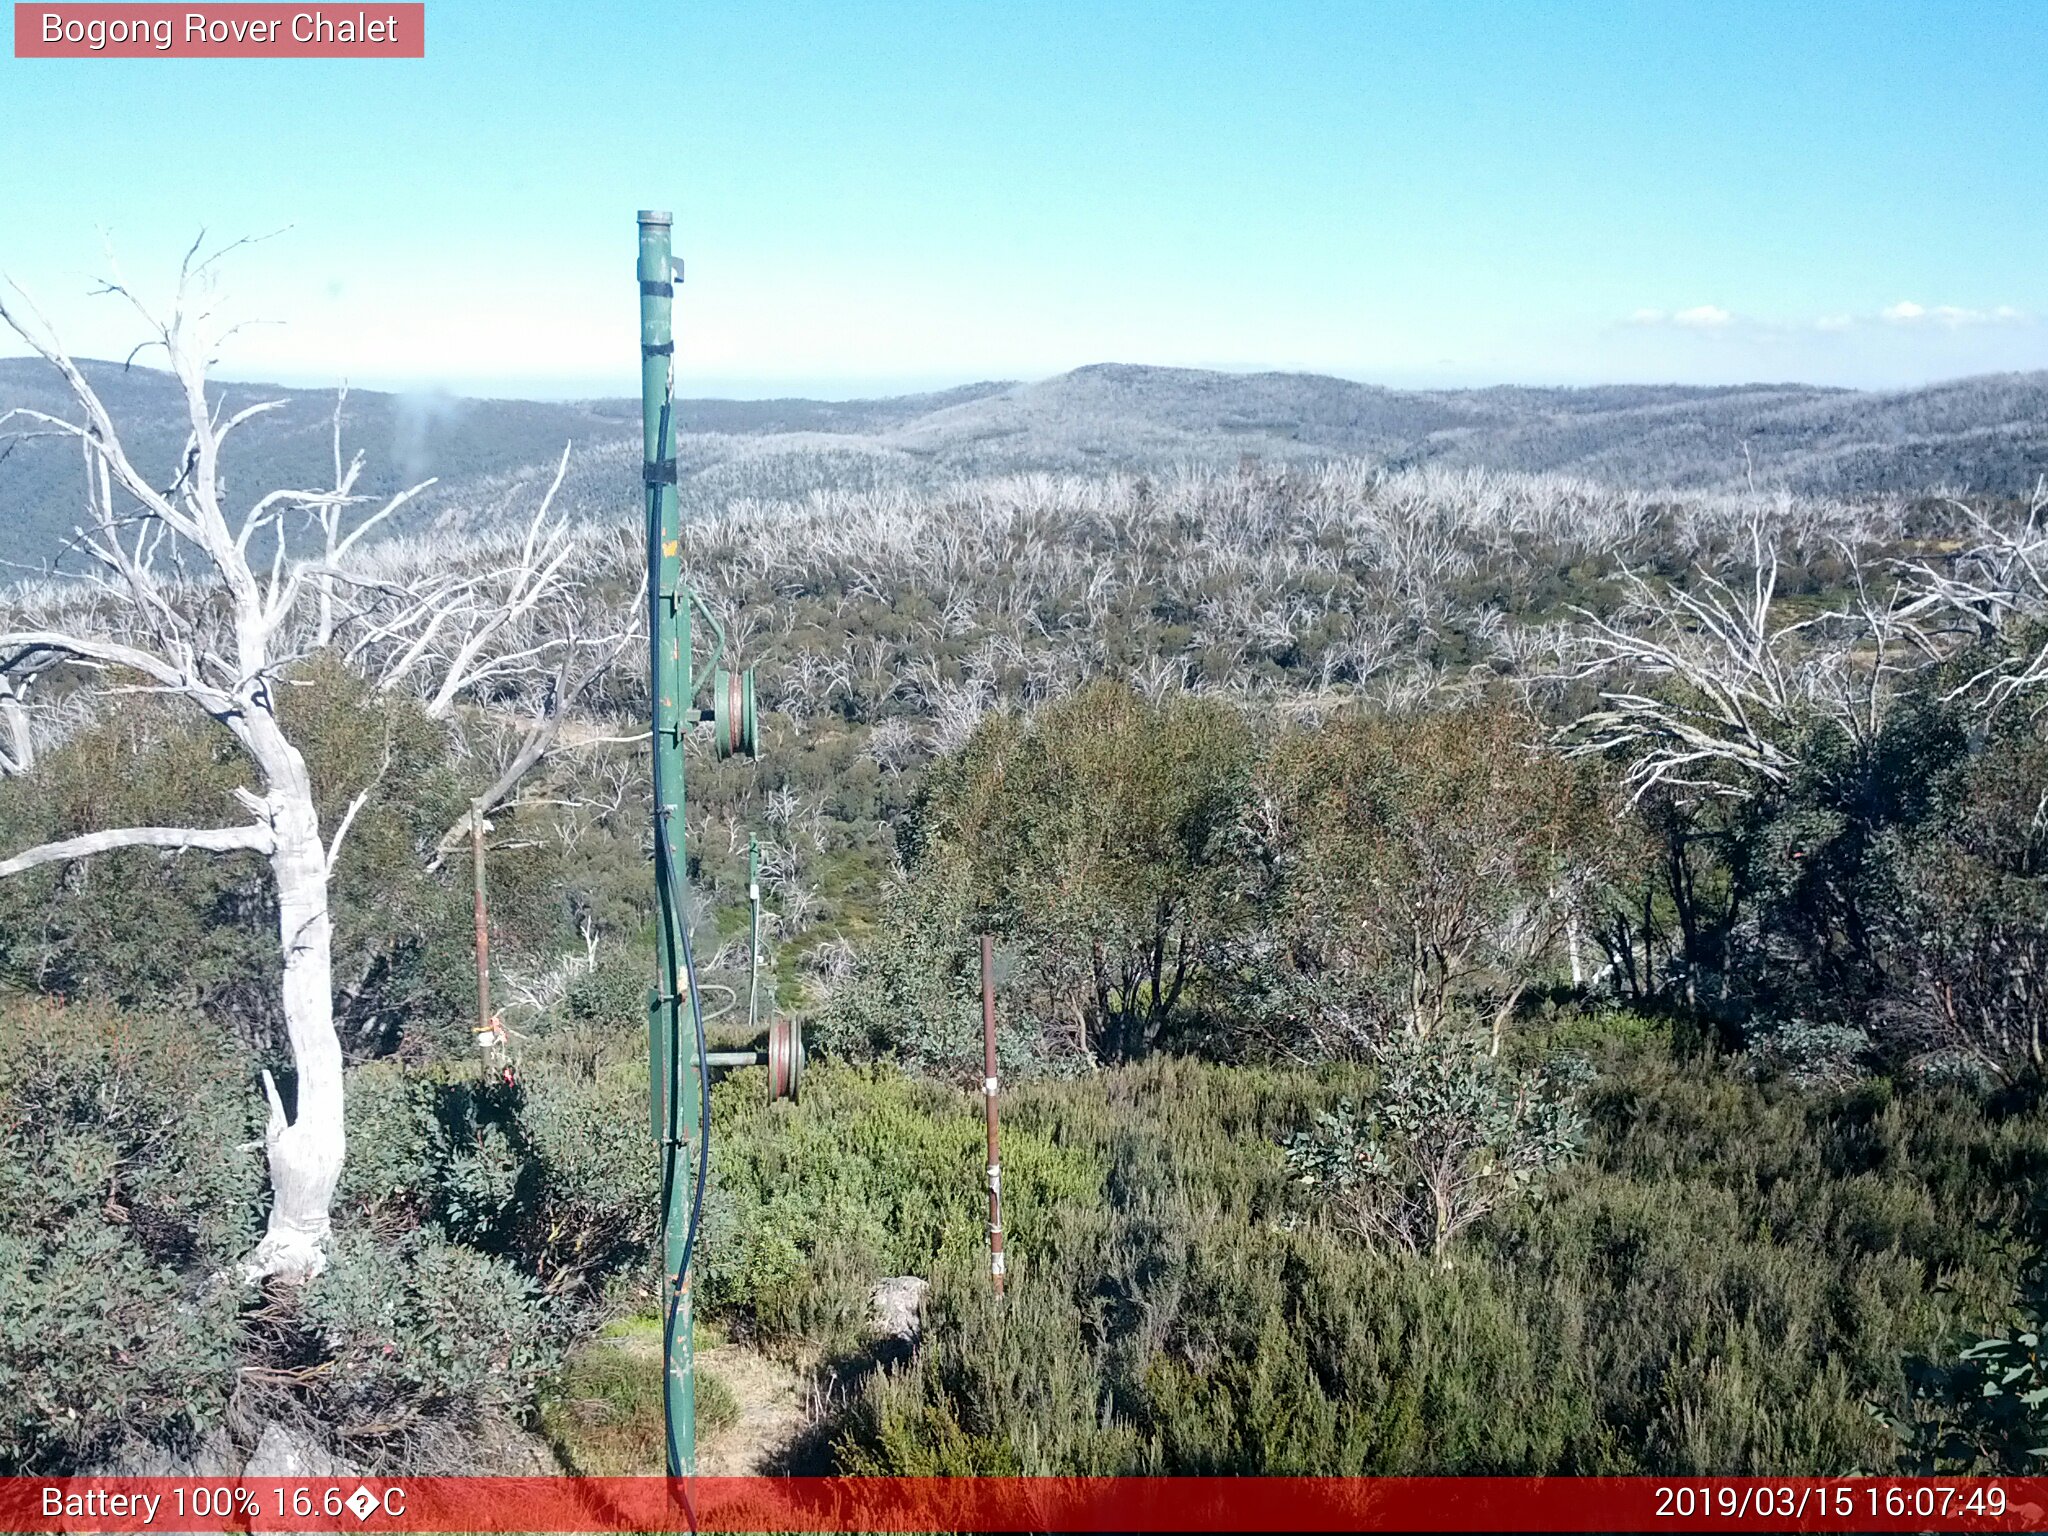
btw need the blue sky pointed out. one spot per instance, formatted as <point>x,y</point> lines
<point>878,196</point>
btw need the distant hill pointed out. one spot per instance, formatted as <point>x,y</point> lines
<point>1985,434</point>
<point>1990,434</point>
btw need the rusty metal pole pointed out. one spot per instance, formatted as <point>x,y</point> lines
<point>988,1097</point>
<point>484,1028</point>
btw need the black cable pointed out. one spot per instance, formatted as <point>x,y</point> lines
<point>666,886</point>
<point>663,884</point>
<point>697,1200</point>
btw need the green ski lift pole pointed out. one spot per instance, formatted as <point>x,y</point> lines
<point>676,1087</point>
<point>679,1081</point>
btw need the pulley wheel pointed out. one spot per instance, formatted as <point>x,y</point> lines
<point>785,1060</point>
<point>732,713</point>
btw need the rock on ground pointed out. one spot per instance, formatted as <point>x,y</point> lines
<point>896,1308</point>
<point>282,1452</point>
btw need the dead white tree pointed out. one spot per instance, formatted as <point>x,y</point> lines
<point>17,743</point>
<point>339,539</point>
<point>450,631</point>
<point>189,600</point>
<point>1994,589</point>
<point>1738,675</point>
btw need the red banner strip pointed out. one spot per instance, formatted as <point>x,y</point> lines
<point>1023,1504</point>
<point>374,30</point>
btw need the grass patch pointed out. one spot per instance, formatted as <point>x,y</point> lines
<point>603,1412</point>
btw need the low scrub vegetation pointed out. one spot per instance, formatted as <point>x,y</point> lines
<point>1731,1277</point>
<point>1494,976</point>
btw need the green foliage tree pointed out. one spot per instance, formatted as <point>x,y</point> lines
<point>1818,860</point>
<point>197,931</point>
<point>915,994</point>
<point>1408,864</point>
<point>1098,836</point>
<point>1967,933</point>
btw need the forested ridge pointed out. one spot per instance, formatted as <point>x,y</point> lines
<point>1500,973</point>
<point>1981,436</point>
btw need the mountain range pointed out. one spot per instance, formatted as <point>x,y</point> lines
<point>1987,435</point>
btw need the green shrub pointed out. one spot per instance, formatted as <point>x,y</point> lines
<point>1729,1280</point>
<point>873,1174</point>
<point>1448,1135</point>
<point>126,1182</point>
<point>395,1143</point>
<point>613,992</point>
<point>603,1413</point>
<point>421,1332</point>
<point>437,1144</point>
<point>596,1176</point>
<point>718,1407</point>
<point>1815,1055</point>
<point>554,1171</point>
<point>1988,1407</point>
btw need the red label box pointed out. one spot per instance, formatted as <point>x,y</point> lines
<point>372,30</point>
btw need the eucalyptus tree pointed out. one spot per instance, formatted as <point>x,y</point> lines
<point>1098,837</point>
<point>1406,866</point>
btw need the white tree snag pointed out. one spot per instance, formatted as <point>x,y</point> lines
<point>17,744</point>
<point>225,666</point>
<point>1744,673</point>
<point>1998,586</point>
<point>185,602</point>
<point>453,634</point>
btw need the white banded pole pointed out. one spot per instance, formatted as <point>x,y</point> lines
<point>988,1095</point>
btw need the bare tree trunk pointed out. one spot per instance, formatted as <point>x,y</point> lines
<point>477,827</point>
<point>1416,1026</point>
<point>17,746</point>
<point>306,1152</point>
<point>1502,1014</point>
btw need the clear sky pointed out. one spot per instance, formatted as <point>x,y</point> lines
<point>878,196</point>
